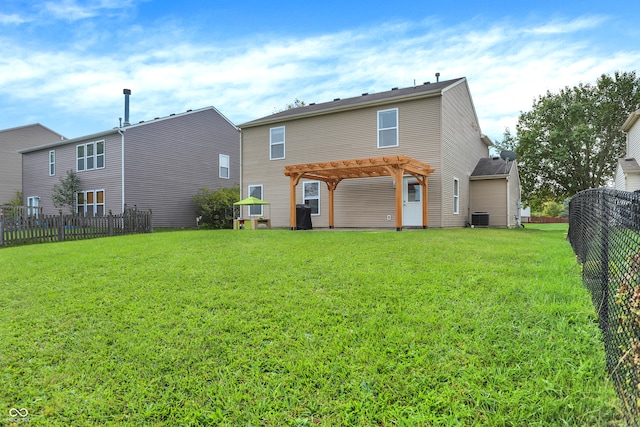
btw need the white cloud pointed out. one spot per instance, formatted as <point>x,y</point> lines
<point>13,19</point>
<point>508,66</point>
<point>74,10</point>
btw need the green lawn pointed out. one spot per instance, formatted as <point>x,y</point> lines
<point>457,327</point>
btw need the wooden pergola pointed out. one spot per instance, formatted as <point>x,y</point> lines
<point>332,172</point>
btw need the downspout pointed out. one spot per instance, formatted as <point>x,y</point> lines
<point>121,132</point>
<point>240,207</point>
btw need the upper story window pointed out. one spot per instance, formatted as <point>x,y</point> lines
<point>311,195</point>
<point>90,156</point>
<point>388,128</point>
<point>223,166</point>
<point>276,143</point>
<point>52,162</point>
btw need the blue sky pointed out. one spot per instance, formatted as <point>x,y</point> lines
<point>64,63</point>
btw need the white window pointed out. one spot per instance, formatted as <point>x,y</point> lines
<point>456,196</point>
<point>52,162</point>
<point>90,203</point>
<point>99,154</point>
<point>90,156</point>
<point>311,195</point>
<point>80,157</point>
<point>276,143</point>
<point>223,166</point>
<point>255,191</point>
<point>33,203</point>
<point>388,128</point>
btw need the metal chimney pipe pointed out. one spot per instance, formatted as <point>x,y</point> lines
<point>126,93</point>
<point>437,77</point>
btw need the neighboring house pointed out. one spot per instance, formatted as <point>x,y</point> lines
<point>12,140</point>
<point>428,133</point>
<point>628,171</point>
<point>159,165</point>
<point>495,189</point>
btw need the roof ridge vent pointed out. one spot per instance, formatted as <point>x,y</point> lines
<point>336,99</point>
<point>394,88</point>
<point>365,94</point>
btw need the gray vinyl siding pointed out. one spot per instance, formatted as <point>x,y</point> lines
<point>363,202</point>
<point>12,140</point>
<point>462,146</point>
<point>169,160</point>
<point>37,182</point>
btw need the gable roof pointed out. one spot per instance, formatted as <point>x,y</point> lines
<point>414,92</point>
<point>116,129</point>
<point>29,126</point>
<point>631,120</point>
<point>492,166</point>
<point>629,165</point>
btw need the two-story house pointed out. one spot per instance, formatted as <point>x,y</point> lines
<point>12,140</point>
<point>158,164</point>
<point>410,152</point>
<point>627,176</point>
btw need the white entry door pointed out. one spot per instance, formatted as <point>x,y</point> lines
<point>411,202</point>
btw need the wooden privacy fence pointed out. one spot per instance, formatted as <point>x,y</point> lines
<point>40,228</point>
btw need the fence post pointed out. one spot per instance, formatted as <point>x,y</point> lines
<point>60,226</point>
<point>110,223</point>
<point>1,227</point>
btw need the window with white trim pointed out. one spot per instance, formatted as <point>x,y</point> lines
<point>255,191</point>
<point>90,156</point>
<point>223,166</point>
<point>456,196</point>
<point>52,162</point>
<point>90,203</point>
<point>276,143</point>
<point>388,128</point>
<point>33,203</point>
<point>311,195</point>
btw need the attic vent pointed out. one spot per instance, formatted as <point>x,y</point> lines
<point>336,99</point>
<point>172,114</point>
<point>394,88</point>
<point>426,83</point>
<point>156,118</point>
<point>313,103</point>
<point>141,121</point>
<point>365,94</point>
<point>495,158</point>
<point>188,111</point>
<point>629,159</point>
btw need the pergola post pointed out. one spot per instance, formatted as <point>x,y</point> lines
<point>293,182</point>
<point>398,175</point>
<point>332,187</point>
<point>425,201</point>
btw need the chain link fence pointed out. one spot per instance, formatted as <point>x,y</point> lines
<point>604,231</point>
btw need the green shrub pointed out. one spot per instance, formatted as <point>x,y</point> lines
<point>215,209</point>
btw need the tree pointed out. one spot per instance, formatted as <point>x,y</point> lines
<point>570,141</point>
<point>295,104</point>
<point>216,209</point>
<point>16,201</point>
<point>509,142</point>
<point>65,192</point>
